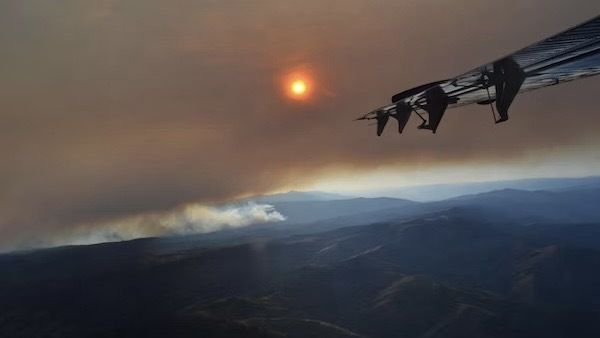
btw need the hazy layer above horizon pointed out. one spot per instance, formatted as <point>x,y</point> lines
<point>148,112</point>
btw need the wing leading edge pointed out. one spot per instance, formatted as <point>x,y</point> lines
<point>568,56</point>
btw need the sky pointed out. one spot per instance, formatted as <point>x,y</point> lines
<point>113,110</point>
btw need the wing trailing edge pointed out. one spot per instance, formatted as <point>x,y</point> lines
<point>564,57</point>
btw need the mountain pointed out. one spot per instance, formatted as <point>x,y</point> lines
<point>526,207</point>
<point>450,273</point>
<point>572,205</point>
<point>554,209</point>
<point>297,196</point>
<point>437,192</point>
<point>311,211</point>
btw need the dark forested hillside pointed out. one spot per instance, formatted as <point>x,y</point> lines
<point>465,270</point>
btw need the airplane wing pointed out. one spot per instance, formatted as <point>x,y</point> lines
<point>567,56</point>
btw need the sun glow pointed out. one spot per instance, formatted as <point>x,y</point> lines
<point>298,84</point>
<point>298,87</point>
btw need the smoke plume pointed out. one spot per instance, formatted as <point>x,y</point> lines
<point>189,219</point>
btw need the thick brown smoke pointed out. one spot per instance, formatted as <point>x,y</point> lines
<point>115,108</point>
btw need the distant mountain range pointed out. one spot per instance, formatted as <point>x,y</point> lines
<point>506,263</point>
<point>503,206</point>
<point>562,205</point>
<point>297,196</point>
<point>436,192</point>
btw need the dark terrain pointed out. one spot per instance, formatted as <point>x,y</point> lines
<point>507,263</point>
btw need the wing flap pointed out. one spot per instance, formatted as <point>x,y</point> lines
<point>437,102</point>
<point>382,119</point>
<point>403,112</point>
<point>564,57</point>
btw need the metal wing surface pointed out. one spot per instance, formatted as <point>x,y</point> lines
<point>567,56</point>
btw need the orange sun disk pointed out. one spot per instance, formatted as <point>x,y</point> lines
<point>298,89</point>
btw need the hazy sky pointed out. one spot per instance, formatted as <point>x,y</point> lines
<point>114,108</point>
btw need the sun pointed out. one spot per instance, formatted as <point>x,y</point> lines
<point>298,84</point>
<point>298,87</point>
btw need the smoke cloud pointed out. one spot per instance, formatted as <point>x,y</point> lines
<point>116,108</point>
<point>190,219</point>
